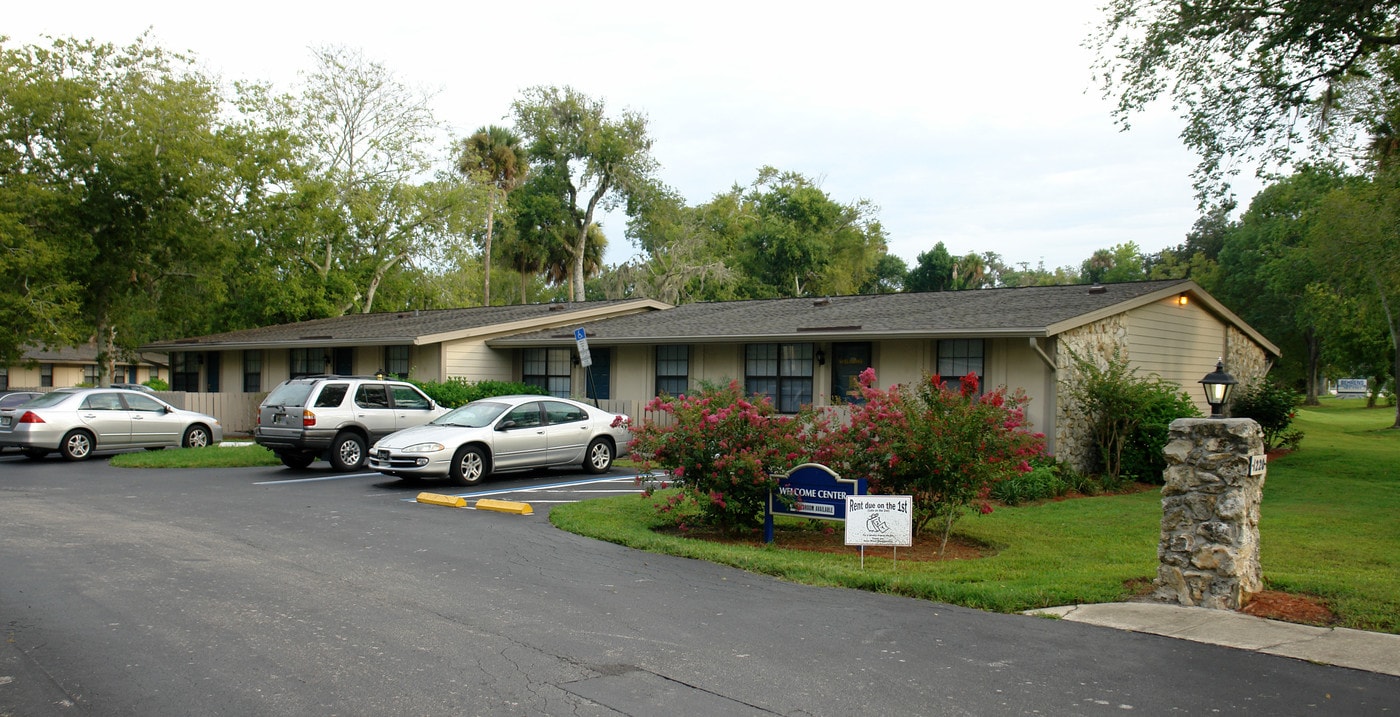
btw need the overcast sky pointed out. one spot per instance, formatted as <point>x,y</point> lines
<point>973,124</point>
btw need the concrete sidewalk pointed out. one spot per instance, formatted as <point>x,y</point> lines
<point>1357,649</point>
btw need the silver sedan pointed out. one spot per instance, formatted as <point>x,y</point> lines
<point>504,433</point>
<point>78,422</point>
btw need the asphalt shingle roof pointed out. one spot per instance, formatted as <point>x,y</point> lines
<point>1028,311</point>
<point>391,328</point>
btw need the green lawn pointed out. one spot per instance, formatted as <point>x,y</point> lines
<point>214,457</point>
<point>1329,528</point>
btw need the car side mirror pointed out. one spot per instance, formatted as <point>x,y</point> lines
<point>503,425</point>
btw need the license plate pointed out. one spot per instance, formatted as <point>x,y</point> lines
<point>279,418</point>
<point>5,422</point>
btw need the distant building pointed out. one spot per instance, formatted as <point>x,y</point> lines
<point>73,366</point>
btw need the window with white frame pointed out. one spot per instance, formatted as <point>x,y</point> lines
<point>549,369</point>
<point>782,372</point>
<point>672,370</point>
<point>958,358</point>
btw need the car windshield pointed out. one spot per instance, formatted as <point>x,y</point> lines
<point>293,393</point>
<point>476,414</point>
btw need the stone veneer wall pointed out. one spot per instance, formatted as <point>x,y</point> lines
<point>1209,548</point>
<point>1244,359</point>
<point>1074,439</point>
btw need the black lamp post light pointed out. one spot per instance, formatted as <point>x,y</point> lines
<point>1217,385</point>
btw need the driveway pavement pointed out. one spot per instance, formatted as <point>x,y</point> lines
<point>274,592</point>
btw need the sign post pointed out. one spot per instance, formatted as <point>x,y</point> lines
<point>585,359</point>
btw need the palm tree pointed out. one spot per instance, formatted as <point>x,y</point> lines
<point>494,156</point>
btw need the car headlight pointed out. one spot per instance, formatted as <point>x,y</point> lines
<point>424,448</point>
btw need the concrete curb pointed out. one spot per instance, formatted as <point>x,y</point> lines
<point>1356,649</point>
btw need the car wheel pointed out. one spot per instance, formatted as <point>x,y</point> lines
<point>598,459</point>
<point>296,460</point>
<point>348,452</point>
<point>76,445</point>
<point>197,437</point>
<point>469,466</point>
<point>35,453</point>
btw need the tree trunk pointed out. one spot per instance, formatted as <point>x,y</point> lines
<point>486,255</point>
<point>576,276</point>
<point>1395,370</point>
<point>1314,365</point>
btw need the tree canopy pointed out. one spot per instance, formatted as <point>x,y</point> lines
<point>112,168</point>
<point>600,160</point>
<point>1254,79</point>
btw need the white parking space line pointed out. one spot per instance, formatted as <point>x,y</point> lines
<point>563,487</point>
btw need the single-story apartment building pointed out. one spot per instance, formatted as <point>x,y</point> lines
<point>796,351</point>
<point>42,368</point>
<point>801,351</point>
<point>236,369</point>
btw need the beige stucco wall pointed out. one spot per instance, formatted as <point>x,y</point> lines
<point>1015,364</point>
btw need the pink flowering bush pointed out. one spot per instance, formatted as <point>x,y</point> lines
<point>720,450</point>
<point>944,447</point>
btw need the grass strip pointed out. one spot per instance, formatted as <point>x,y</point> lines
<point>1328,529</point>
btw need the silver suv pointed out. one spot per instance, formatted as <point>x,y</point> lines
<point>335,417</point>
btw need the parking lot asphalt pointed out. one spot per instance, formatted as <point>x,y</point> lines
<point>276,592</point>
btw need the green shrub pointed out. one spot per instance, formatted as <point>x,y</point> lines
<point>1041,482</point>
<point>1143,458</point>
<point>1130,415</point>
<point>1048,478</point>
<point>456,392</point>
<point>721,451</point>
<point>157,384</point>
<point>947,448</point>
<point>1273,406</point>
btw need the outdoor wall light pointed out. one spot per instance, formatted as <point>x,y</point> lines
<point>821,357</point>
<point>380,374</point>
<point>1182,300</point>
<point>1217,385</point>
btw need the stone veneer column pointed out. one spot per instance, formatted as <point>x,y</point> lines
<point>1209,549</point>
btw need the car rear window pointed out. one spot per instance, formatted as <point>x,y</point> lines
<point>49,399</point>
<point>289,394</point>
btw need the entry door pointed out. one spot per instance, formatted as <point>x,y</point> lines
<point>847,361</point>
